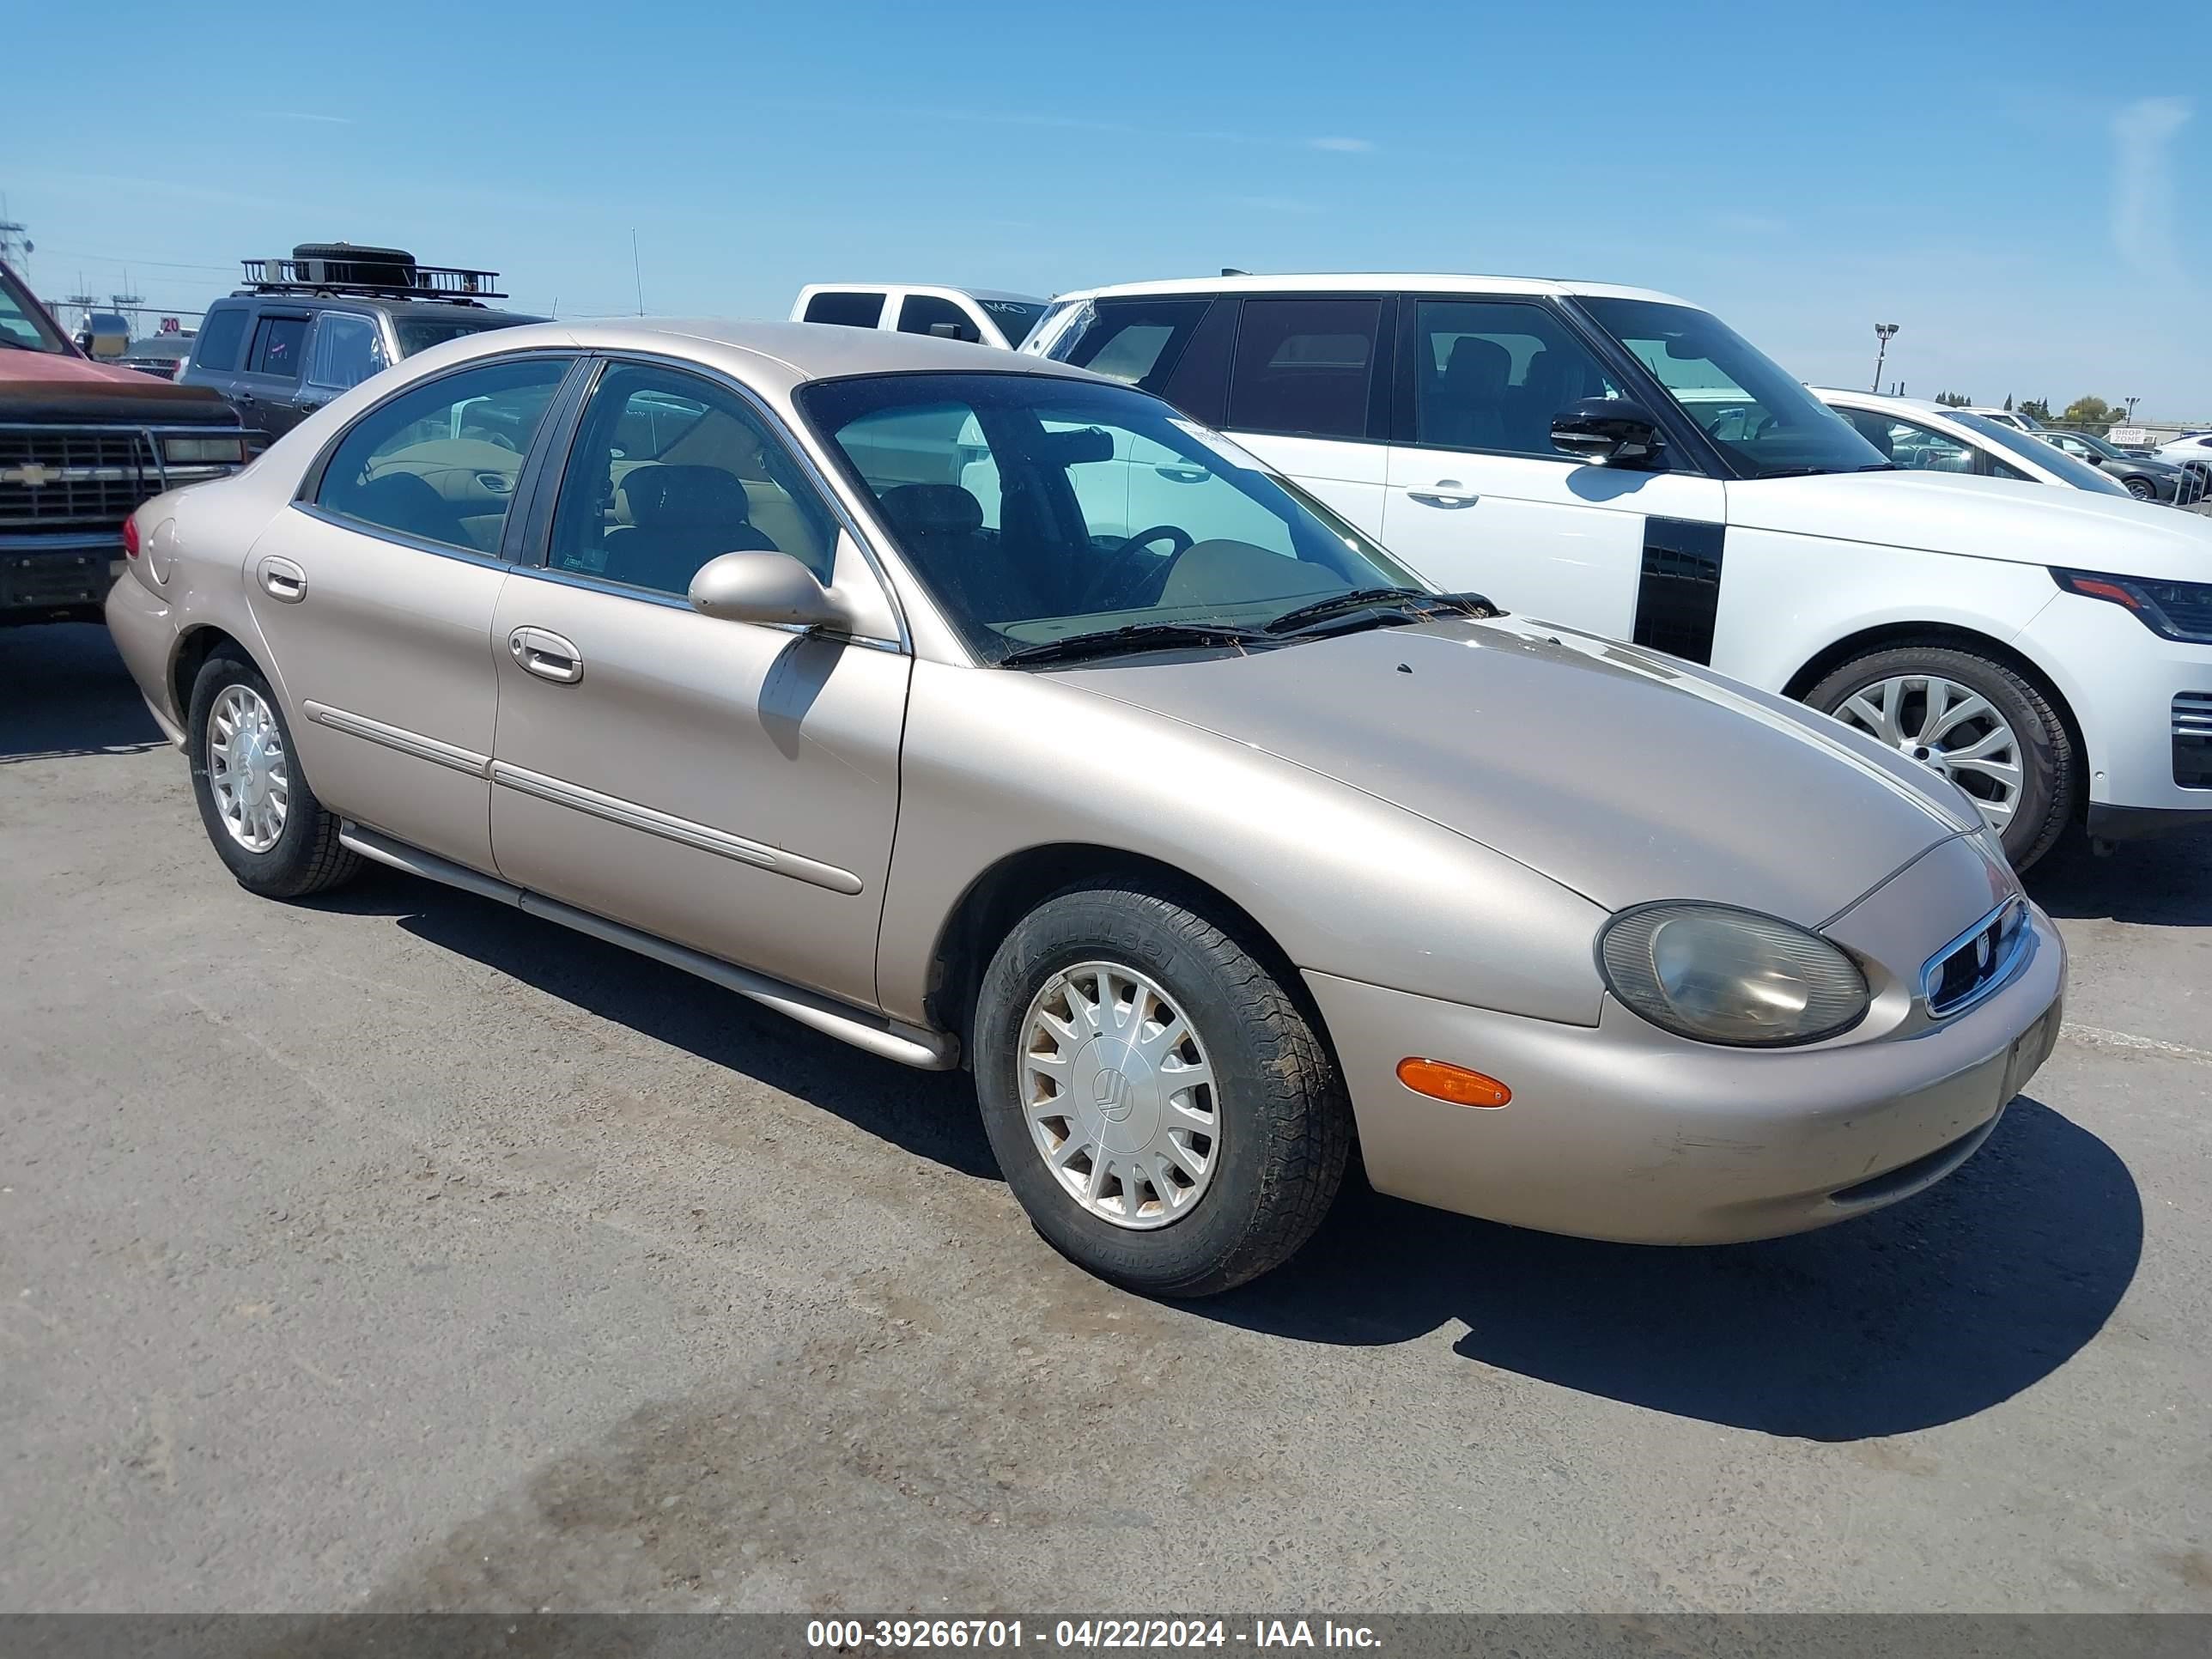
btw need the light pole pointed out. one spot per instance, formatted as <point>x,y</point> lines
<point>1884,332</point>
<point>2132,402</point>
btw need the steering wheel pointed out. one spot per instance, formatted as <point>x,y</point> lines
<point>1117,580</point>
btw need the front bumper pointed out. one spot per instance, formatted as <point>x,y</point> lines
<point>57,576</point>
<point>2134,695</point>
<point>1622,1132</point>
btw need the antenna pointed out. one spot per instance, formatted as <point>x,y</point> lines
<point>637,271</point>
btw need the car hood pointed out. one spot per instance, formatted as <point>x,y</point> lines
<point>44,385</point>
<point>1983,519</point>
<point>1625,776</point>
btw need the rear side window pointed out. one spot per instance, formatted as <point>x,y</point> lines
<point>1136,343</point>
<point>439,463</point>
<point>277,346</point>
<point>925,313</point>
<point>216,346</point>
<point>346,350</point>
<point>1304,367</point>
<point>852,310</point>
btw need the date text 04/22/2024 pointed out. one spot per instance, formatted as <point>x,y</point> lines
<point>857,1635</point>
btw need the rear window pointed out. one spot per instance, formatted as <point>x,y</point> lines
<point>1304,367</point>
<point>219,338</point>
<point>276,343</point>
<point>847,310</point>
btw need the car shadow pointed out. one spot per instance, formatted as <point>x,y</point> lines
<point>930,1115</point>
<point>1932,1311</point>
<point>64,691</point>
<point>2165,882</point>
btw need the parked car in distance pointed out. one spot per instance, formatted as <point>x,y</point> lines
<point>983,315</point>
<point>162,355</point>
<point>301,331</point>
<point>1922,436</point>
<point>1621,461</point>
<point>1187,867</point>
<point>81,444</point>
<point>2016,419</point>
<point>2194,453</point>
<point>2146,476</point>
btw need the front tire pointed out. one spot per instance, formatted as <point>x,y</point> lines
<point>1158,1100</point>
<point>2142,488</point>
<point>265,821</point>
<point>1992,732</point>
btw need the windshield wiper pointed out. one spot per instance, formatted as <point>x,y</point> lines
<point>1134,636</point>
<point>1411,602</point>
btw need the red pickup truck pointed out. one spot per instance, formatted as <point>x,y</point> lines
<point>83,446</point>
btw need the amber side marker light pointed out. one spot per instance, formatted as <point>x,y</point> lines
<point>1440,1080</point>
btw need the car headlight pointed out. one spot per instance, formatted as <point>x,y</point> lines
<point>2175,611</point>
<point>1722,975</point>
<point>201,452</point>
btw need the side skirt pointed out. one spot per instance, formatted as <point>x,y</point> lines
<point>930,1051</point>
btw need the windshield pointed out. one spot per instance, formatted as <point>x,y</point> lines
<point>1015,317</point>
<point>21,321</point>
<point>2048,456</point>
<point>2111,452</point>
<point>1038,508</point>
<point>421,333</point>
<point>1762,420</point>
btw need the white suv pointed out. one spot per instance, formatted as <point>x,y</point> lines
<point>1621,461</point>
<point>983,315</point>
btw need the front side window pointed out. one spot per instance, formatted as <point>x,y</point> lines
<point>276,343</point>
<point>439,463</point>
<point>1765,422</point>
<point>847,310</point>
<point>215,347</point>
<point>1035,508</point>
<point>1491,374</point>
<point>926,313</point>
<point>347,350</point>
<point>1304,367</point>
<point>669,471</point>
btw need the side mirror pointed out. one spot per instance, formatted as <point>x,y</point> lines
<point>1607,432</point>
<point>764,586</point>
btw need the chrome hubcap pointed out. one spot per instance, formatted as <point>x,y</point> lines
<point>1119,1094</point>
<point>1949,726</point>
<point>247,768</point>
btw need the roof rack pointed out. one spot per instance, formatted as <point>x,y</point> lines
<point>379,273</point>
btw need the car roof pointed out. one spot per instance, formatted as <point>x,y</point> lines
<point>1331,281</point>
<point>1828,394</point>
<point>396,306</point>
<point>925,287</point>
<point>780,354</point>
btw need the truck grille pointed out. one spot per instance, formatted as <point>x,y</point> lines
<point>56,477</point>
<point>2192,739</point>
<point>1975,964</point>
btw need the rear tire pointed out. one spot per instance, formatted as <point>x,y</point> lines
<point>303,855</point>
<point>1251,1188</point>
<point>2142,488</point>
<point>2048,791</point>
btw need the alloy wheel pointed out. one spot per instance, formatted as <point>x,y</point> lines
<point>1118,1094</point>
<point>1950,727</point>
<point>248,772</point>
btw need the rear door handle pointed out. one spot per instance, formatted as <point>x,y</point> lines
<point>282,580</point>
<point>1446,492</point>
<point>546,654</point>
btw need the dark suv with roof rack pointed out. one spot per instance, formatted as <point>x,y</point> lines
<point>303,330</point>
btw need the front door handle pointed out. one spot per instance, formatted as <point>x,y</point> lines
<point>282,580</point>
<point>1446,492</point>
<point>546,654</point>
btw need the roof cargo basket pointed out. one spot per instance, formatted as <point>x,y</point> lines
<point>381,272</point>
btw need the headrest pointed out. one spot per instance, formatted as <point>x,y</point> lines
<point>1485,362</point>
<point>923,509</point>
<point>668,498</point>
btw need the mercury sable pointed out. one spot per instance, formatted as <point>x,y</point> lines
<point>799,658</point>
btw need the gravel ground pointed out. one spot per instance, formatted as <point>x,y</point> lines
<point>402,1251</point>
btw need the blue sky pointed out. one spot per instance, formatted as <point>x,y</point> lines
<point>2026,189</point>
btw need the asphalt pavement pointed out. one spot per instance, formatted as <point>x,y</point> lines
<point>402,1251</point>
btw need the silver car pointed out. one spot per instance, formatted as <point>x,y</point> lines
<point>835,666</point>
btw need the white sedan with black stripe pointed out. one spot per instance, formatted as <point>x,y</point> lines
<point>1622,461</point>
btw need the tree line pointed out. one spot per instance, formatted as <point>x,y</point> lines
<point>2089,413</point>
